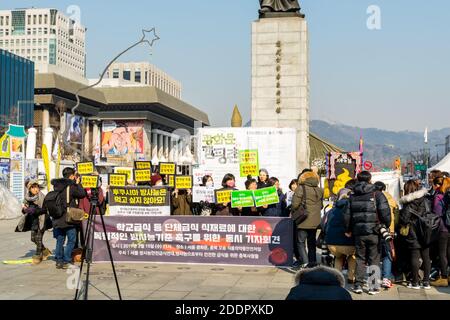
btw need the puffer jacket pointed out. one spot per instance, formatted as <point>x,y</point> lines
<point>335,226</point>
<point>314,200</point>
<point>277,209</point>
<point>439,208</point>
<point>76,193</point>
<point>416,201</point>
<point>367,210</point>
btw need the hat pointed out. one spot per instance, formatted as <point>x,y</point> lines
<point>155,179</point>
<point>32,183</point>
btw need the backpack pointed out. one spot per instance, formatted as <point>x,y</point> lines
<point>427,227</point>
<point>446,213</point>
<point>55,202</point>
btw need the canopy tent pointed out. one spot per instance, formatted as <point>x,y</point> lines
<point>444,165</point>
<point>393,181</point>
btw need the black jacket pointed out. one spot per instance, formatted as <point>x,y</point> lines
<point>367,210</point>
<point>417,202</point>
<point>319,284</point>
<point>76,193</point>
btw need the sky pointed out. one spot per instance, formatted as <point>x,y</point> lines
<point>395,78</point>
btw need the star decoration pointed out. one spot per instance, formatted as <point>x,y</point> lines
<point>150,33</point>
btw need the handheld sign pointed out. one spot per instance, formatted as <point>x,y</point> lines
<point>117,180</point>
<point>248,163</point>
<point>266,196</point>
<point>223,196</point>
<point>167,168</point>
<point>143,175</point>
<point>142,165</point>
<point>85,168</point>
<point>183,182</point>
<point>242,199</point>
<point>89,182</point>
<point>125,170</point>
<point>171,181</point>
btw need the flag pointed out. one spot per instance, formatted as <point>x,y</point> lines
<point>361,144</point>
<point>426,135</point>
<point>45,157</point>
<point>5,146</point>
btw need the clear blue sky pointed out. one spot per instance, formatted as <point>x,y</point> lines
<point>395,78</point>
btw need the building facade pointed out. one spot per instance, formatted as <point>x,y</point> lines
<point>45,36</point>
<point>16,90</point>
<point>147,74</point>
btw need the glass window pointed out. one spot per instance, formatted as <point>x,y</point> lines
<point>34,19</point>
<point>40,19</point>
<point>7,20</point>
<point>127,75</point>
<point>1,20</point>
<point>137,76</point>
<point>29,19</point>
<point>46,19</point>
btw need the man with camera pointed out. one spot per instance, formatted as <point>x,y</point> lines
<point>365,219</point>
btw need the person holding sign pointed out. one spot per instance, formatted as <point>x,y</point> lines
<point>182,201</point>
<point>278,209</point>
<point>205,208</point>
<point>251,184</point>
<point>224,209</point>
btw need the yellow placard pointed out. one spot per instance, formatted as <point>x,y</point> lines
<point>143,175</point>
<point>89,182</point>
<point>126,171</point>
<point>167,168</point>
<point>117,180</point>
<point>223,196</point>
<point>183,182</point>
<point>171,181</point>
<point>85,168</point>
<point>142,165</point>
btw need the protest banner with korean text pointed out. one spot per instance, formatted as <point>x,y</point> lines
<point>250,241</point>
<point>242,199</point>
<point>203,194</point>
<point>142,165</point>
<point>89,182</point>
<point>85,167</point>
<point>139,201</point>
<point>143,175</point>
<point>248,163</point>
<point>128,171</point>
<point>167,168</point>
<point>117,180</point>
<point>266,196</point>
<point>223,196</point>
<point>183,182</point>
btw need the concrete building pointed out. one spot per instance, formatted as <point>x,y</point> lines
<point>45,36</point>
<point>147,74</point>
<point>16,90</point>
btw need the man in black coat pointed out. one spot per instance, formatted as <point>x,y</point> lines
<point>368,210</point>
<point>61,228</point>
<point>319,283</point>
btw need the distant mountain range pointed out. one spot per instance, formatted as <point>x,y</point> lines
<point>380,146</point>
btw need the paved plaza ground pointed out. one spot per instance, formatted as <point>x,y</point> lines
<point>155,281</point>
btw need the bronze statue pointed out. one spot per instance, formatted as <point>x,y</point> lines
<point>279,7</point>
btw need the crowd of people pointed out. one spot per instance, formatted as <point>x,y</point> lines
<point>365,226</point>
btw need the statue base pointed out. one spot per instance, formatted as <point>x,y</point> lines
<point>270,14</point>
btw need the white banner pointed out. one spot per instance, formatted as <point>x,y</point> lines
<point>128,211</point>
<point>204,194</point>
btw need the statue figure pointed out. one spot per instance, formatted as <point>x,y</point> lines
<point>279,6</point>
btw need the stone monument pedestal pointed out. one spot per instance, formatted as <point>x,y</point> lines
<point>280,78</point>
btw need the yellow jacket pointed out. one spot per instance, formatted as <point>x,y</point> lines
<point>394,206</point>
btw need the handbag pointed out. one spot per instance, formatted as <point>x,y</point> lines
<point>301,214</point>
<point>74,215</point>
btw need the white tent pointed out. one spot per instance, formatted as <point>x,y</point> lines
<point>393,181</point>
<point>444,165</point>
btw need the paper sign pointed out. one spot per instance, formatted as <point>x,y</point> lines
<point>266,196</point>
<point>141,165</point>
<point>171,181</point>
<point>223,196</point>
<point>183,182</point>
<point>248,162</point>
<point>242,199</point>
<point>89,182</point>
<point>203,194</point>
<point>85,168</point>
<point>125,170</point>
<point>167,168</point>
<point>143,175</point>
<point>117,180</point>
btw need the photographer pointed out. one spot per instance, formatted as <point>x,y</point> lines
<point>368,211</point>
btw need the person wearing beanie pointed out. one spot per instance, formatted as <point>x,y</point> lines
<point>33,207</point>
<point>156,180</point>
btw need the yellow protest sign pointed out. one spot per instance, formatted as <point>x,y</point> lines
<point>89,182</point>
<point>223,196</point>
<point>85,168</point>
<point>183,182</point>
<point>167,168</point>
<point>171,181</point>
<point>142,165</point>
<point>117,180</point>
<point>126,171</point>
<point>249,162</point>
<point>143,175</point>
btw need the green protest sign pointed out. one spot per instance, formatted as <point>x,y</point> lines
<point>266,196</point>
<point>242,199</point>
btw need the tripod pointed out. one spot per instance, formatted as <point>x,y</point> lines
<point>88,249</point>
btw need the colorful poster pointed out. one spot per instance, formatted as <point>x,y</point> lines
<point>89,182</point>
<point>117,180</point>
<point>144,175</point>
<point>248,241</point>
<point>183,182</point>
<point>85,167</point>
<point>203,194</point>
<point>341,168</point>
<point>242,199</point>
<point>139,201</point>
<point>248,163</point>
<point>167,168</point>
<point>223,196</point>
<point>218,151</point>
<point>4,170</point>
<point>5,147</point>
<point>141,165</point>
<point>31,170</point>
<point>266,196</point>
<point>74,129</point>
<point>122,140</point>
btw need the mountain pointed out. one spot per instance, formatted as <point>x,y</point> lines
<point>381,146</point>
